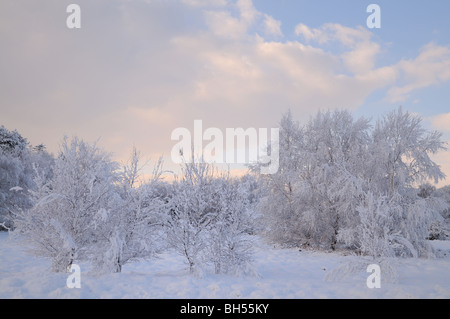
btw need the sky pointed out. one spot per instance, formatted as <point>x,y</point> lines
<point>138,69</point>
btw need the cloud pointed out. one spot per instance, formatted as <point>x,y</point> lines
<point>234,20</point>
<point>358,51</point>
<point>272,26</point>
<point>308,33</point>
<point>204,3</point>
<point>223,24</point>
<point>441,122</point>
<point>332,32</point>
<point>430,67</point>
<point>137,70</point>
<point>361,60</point>
<point>247,11</point>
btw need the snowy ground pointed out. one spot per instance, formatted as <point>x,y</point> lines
<point>284,273</point>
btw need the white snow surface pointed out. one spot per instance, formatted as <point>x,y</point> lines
<point>283,274</point>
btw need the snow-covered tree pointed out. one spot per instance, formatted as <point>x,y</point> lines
<point>191,211</point>
<point>209,220</point>
<point>42,162</point>
<point>335,152</point>
<point>12,141</point>
<point>401,160</point>
<point>442,230</point>
<point>277,205</point>
<point>62,223</point>
<point>401,153</point>
<point>230,246</point>
<point>16,176</point>
<point>133,230</point>
<point>316,189</point>
<point>374,230</point>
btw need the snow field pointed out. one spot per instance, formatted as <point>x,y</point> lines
<point>283,274</point>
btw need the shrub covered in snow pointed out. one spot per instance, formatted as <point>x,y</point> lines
<point>210,220</point>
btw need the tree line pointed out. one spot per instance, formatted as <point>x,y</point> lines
<point>342,183</point>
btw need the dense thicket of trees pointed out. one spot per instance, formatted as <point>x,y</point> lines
<point>342,183</point>
<point>93,209</point>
